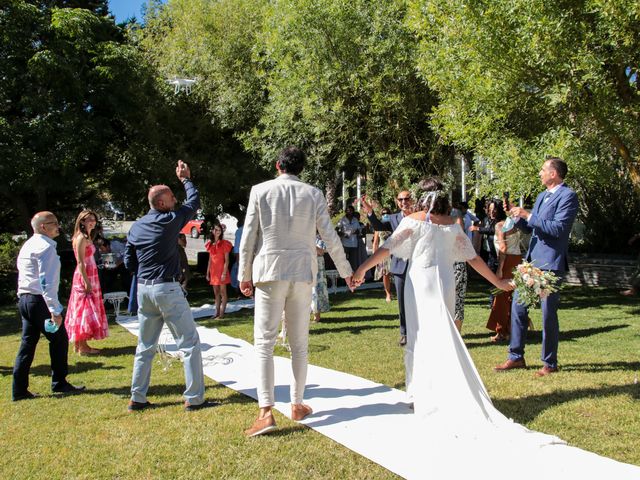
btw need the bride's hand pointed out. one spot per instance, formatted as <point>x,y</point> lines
<point>358,277</point>
<point>506,285</point>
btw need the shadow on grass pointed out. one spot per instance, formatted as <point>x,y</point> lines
<point>281,432</point>
<point>526,409</point>
<point>602,367</point>
<point>117,351</point>
<point>328,320</point>
<point>349,309</point>
<point>355,329</point>
<point>535,337</point>
<point>80,367</point>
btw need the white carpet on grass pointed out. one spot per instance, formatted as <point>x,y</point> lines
<point>375,421</point>
<point>208,310</point>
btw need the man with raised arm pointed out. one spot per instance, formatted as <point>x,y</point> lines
<point>152,254</point>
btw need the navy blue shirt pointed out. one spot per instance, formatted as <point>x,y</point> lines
<point>152,242</point>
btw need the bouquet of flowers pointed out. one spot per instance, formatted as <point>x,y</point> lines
<point>533,284</point>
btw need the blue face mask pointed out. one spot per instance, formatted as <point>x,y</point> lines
<point>385,217</point>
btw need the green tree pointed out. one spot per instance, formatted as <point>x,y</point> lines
<point>212,42</point>
<point>76,111</point>
<point>341,83</point>
<point>518,79</point>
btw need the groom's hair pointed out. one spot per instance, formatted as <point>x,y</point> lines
<point>559,165</point>
<point>441,203</point>
<point>292,160</point>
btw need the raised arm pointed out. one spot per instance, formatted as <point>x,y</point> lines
<point>192,201</point>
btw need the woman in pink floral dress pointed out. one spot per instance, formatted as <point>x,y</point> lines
<point>86,318</point>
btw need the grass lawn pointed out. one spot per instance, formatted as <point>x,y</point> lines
<point>592,403</point>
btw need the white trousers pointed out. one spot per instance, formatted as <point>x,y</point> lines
<point>271,299</point>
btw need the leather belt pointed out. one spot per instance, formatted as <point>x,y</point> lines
<point>157,281</point>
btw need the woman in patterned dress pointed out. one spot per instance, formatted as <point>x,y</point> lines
<point>383,269</point>
<point>218,267</point>
<point>86,318</point>
<point>320,293</point>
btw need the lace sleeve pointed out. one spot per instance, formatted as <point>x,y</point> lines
<point>463,249</point>
<point>401,243</point>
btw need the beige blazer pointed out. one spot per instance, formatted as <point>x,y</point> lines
<point>279,237</point>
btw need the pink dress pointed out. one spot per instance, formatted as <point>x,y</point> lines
<point>86,318</point>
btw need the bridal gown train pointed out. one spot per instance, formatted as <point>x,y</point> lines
<point>442,381</point>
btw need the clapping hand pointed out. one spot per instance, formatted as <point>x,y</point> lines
<point>183,170</point>
<point>366,205</point>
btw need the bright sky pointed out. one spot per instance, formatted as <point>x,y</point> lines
<point>123,9</point>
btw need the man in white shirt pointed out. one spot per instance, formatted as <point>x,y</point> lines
<point>349,229</point>
<point>38,280</point>
<point>278,255</point>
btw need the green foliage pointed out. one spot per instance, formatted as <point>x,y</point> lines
<point>9,249</point>
<point>342,84</point>
<point>213,43</point>
<point>519,79</point>
<point>76,112</point>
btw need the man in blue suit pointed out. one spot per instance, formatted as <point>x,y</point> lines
<point>550,223</point>
<point>398,265</point>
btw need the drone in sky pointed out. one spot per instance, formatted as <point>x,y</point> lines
<point>181,84</point>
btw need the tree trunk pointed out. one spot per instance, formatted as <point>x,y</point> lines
<point>330,193</point>
<point>630,162</point>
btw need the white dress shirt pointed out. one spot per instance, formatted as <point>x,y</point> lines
<point>39,270</point>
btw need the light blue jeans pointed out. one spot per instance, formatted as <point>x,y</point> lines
<point>157,305</point>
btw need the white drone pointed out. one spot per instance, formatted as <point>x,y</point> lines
<point>181,83</point>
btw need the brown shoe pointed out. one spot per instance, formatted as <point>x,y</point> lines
<point>138,406</point>
<point>510,365</point>
<point>546,371</point>
<point>261,426</point>
<point>300,411</point>
<point>499,338</point>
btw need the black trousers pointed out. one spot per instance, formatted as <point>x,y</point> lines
<point>34,312</point>
<point>398,280</point>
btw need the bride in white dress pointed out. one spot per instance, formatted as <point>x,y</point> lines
<point>442,381</point>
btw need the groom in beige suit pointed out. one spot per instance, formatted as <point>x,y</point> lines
<point>278,254</point>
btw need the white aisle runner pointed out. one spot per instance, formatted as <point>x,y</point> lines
<point>375,421</point>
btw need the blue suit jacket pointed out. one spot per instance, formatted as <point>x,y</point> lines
<point>398,265</point>
<point>550,224</point>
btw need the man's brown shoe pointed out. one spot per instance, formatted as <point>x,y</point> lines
<point>261,426</point>
<point>546,371</point>
<point>138,406</point>
<point>300,411</point>
<point>510,365</point>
